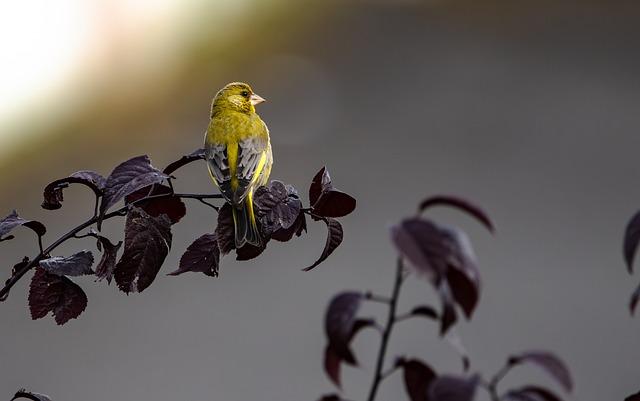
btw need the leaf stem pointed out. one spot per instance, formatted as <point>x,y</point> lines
<point>391,319</point>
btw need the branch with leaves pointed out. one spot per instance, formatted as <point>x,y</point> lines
<point>151,207</point>
<point>442,256</point>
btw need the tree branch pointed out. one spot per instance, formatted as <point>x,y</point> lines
<point>391,320</point>
<point>73,233</point>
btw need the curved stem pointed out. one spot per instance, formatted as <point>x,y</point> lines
<point>391,319</point>
<point>4,292</point>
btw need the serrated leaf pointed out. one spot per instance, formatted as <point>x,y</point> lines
<point>57,294</point>
<point>172,206</point>
<point>78,264</point>
<point>11,221</point>
<point>147,242</point>
<point>225,230</point>
<point>198,154</point>
<point>107,263</point>
<point>53,196</point>
<point>334,239</point>
<point>418,376</point>
<point>530,393</point>
<point>128,177</point>
<point>453,388</point>
<point>548,362</point>
<point>460,204</point>
<point>249,251</point>
<point>277,207</point>
<point>296,229</point>
<point>201,256</point>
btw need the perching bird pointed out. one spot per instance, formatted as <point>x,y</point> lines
<point>238,154</point>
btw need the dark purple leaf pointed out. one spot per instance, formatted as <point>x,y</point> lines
<point>334,203</point>
<point>321,182</point>
<point>422,243</point>
<point>547,361</point>
<point>201,256</point>
<point>249,251</point>
<point>453,388</point>
<point>633,397</point>
<point>631,239</point>
<point>462,273</point>
<point>330,397</point>
<point>78,264</point>
<point>225,230</point>
<point>332,364</point>
<point>12,221</point>
<point>198,154</point>
<point>530,393</point>
<point>107,263</point>
<point>57,294</point>
<point>460,204</point>
<point>340,318</point>
<point>426,311</point>
<point>448,316</point>
<point>277,207</point>
<point>296,229</point>
<point>633,303</point>
<point>53,192</point>
<point>172,206</point>
<point>22,393</point>
<point>127,178</point>
<point>418,376</point>
<point>147,242</point>
<point>334,239</point>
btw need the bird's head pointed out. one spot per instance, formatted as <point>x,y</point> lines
<point>236,96</point>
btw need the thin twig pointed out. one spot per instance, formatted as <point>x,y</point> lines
<point>492,386</point>
<point>378,377</point>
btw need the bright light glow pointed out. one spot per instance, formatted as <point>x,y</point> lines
<point>40,41</point>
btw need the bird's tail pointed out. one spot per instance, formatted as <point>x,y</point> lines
<point>245,223</point>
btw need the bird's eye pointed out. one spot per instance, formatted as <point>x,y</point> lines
<point>244,93</point>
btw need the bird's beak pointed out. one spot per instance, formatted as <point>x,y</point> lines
<point>255,99</point>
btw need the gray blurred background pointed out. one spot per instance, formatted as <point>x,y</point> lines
<point>530,108</point>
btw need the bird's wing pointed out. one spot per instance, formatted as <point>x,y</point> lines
<point>236,167</point>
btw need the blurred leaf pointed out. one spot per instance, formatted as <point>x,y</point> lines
<point>448,316</point>
<point>340,317</point>
<point>334,239</point>
<point>203,256</point>
<point>425,311</point>
<point>225,230</point>
<point>57,294</point>
<point>8,223</point>
<point>631,239</point>
<point>53,192</point>
<point>147,242</point>
<point>332,364</point>
<point>22,393</point>
<point>460,204</point>
<point>633,397</point>
<point>172,206</point>
<point>128,177</point>
<point>462,273</point>
<point>548,362</point>
<point>423,245</point>
<point>453,388</point>
<point>78,264</point>
<point>530,393</point>
<point>277,207</point>
<point>418,376</point>
<point>330,397</point>
<point>107,263</point>
<point>198,154</point>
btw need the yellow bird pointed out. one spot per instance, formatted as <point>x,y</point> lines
<point>238,152</point>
